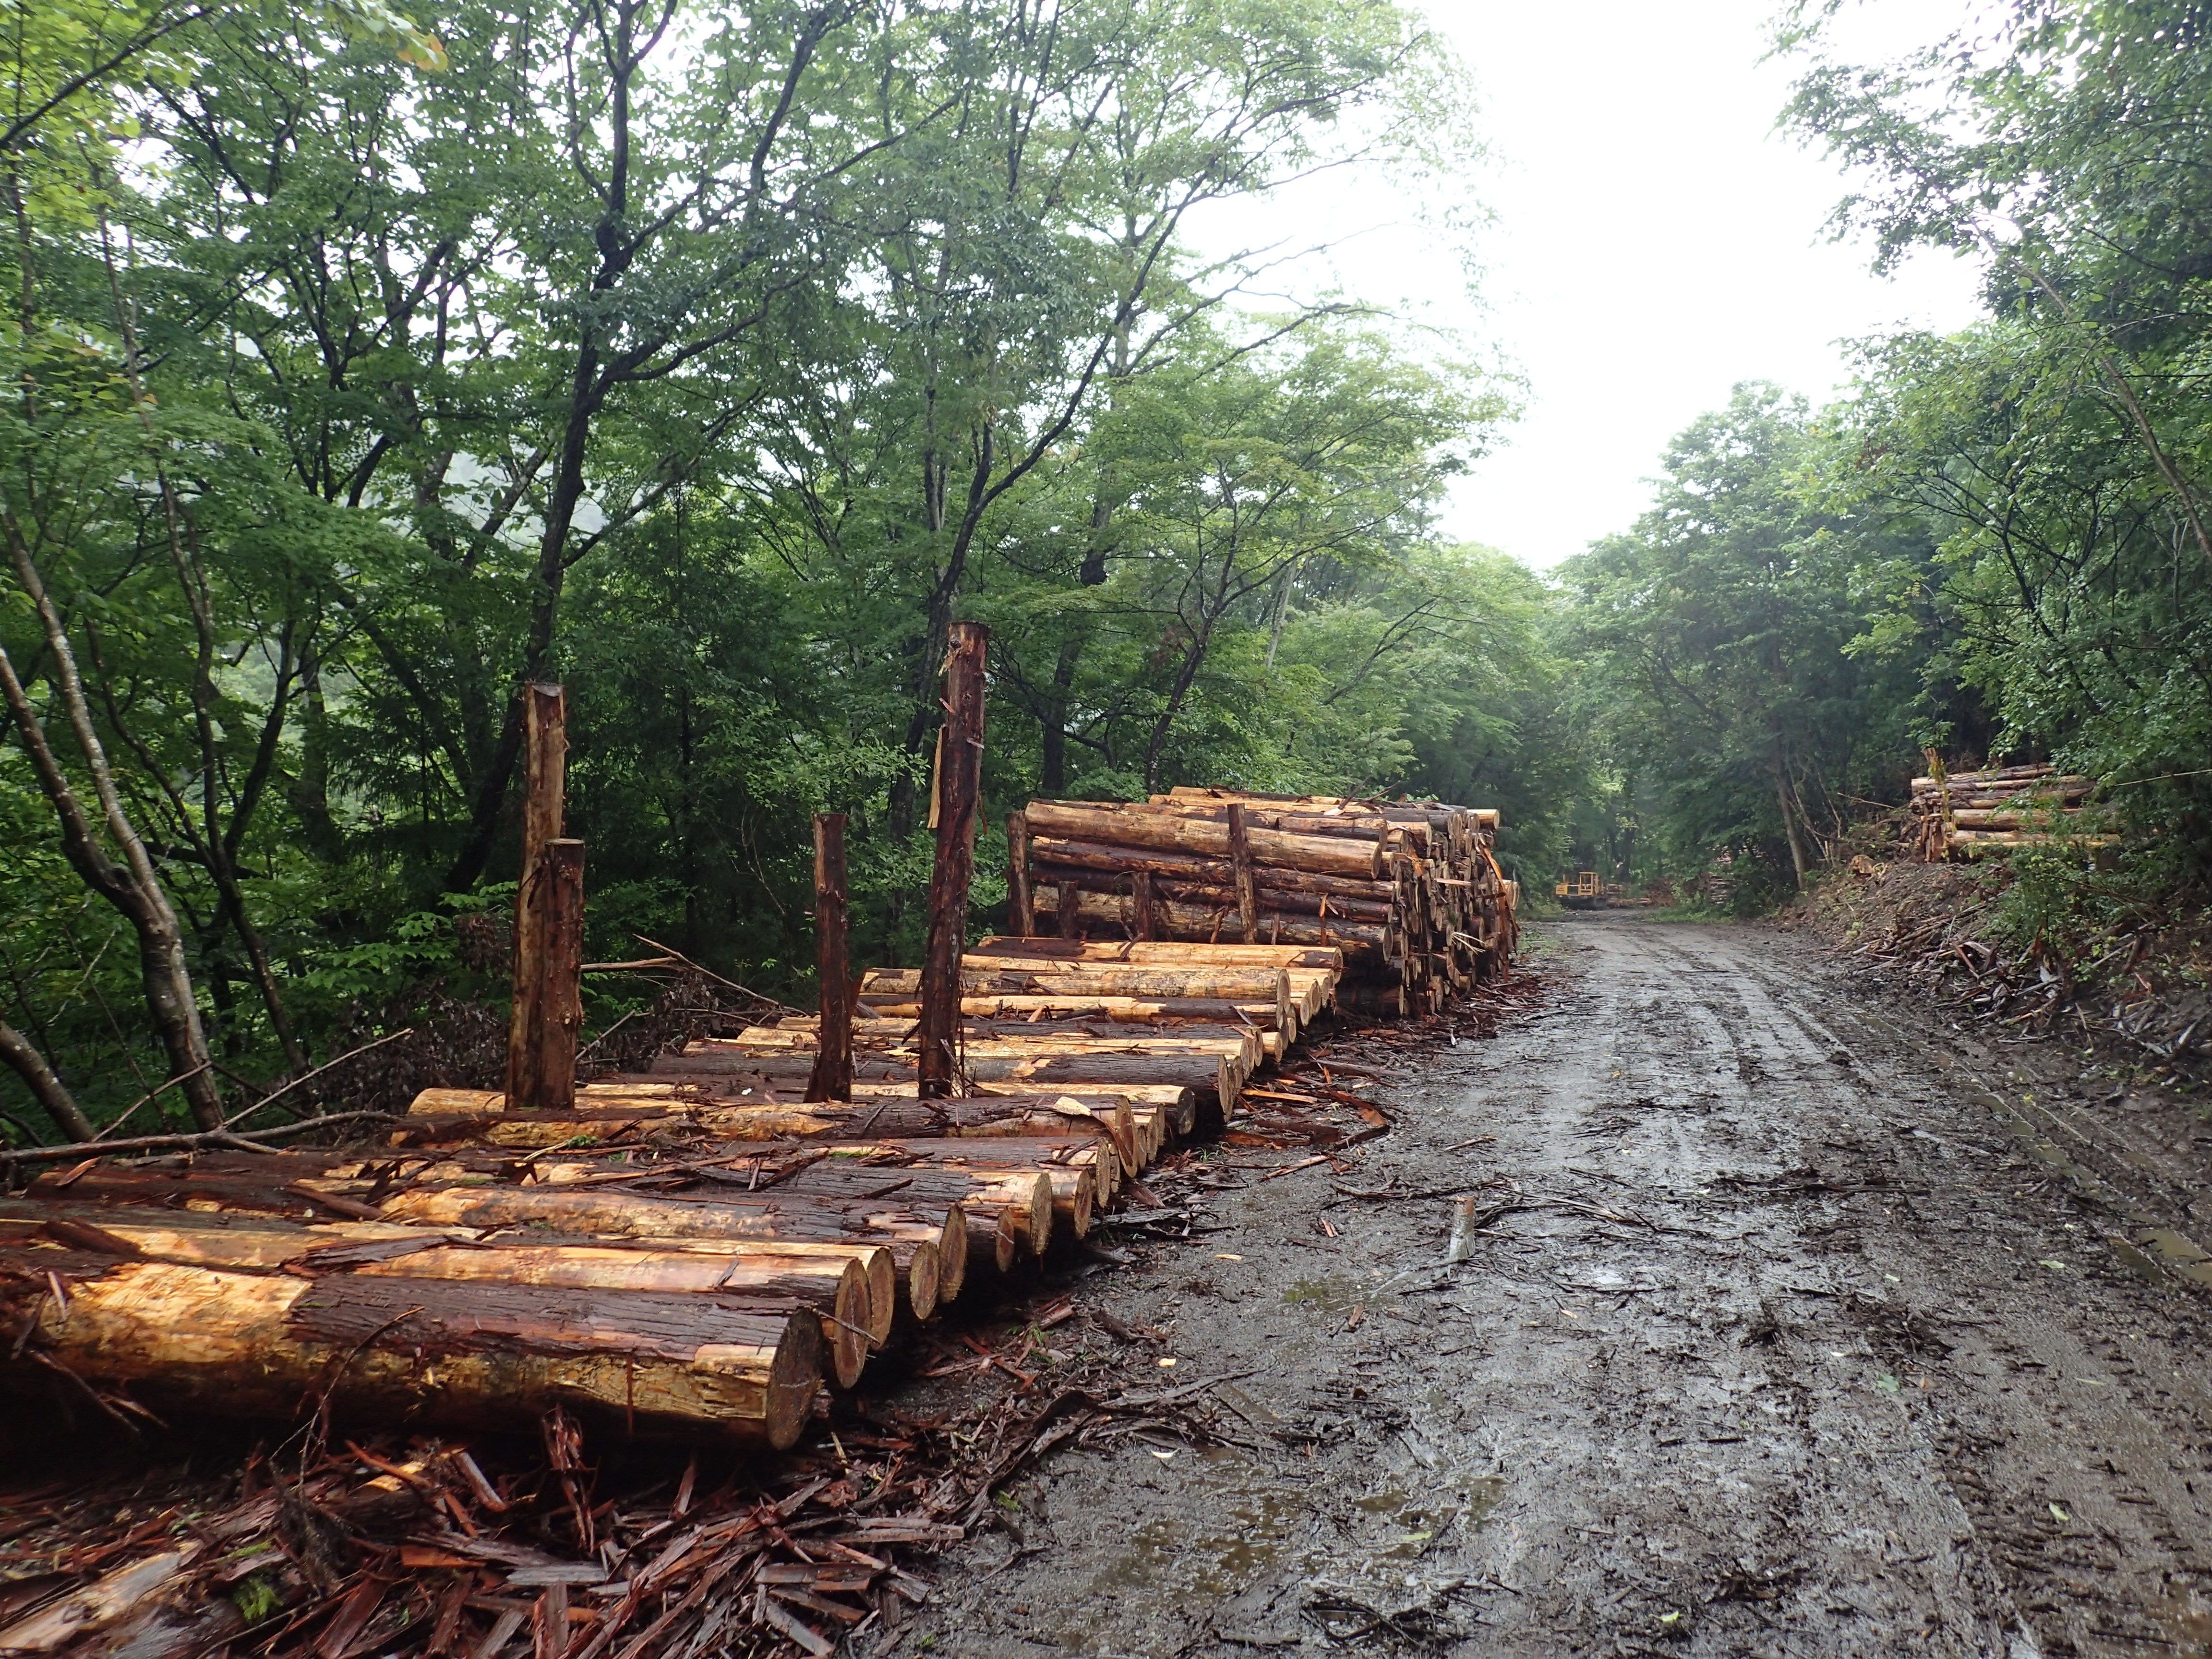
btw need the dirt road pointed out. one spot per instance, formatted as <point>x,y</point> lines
<point>1779,1339</point>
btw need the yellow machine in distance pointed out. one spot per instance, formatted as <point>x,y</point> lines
<point>1582,891</point>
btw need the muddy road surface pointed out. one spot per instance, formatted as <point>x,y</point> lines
<point>1787,1330</point>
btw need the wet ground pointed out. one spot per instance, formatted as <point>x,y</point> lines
<point>1796,1322</point>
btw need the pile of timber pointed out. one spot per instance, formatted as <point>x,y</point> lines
<point>1976,813</point>
<point>692,1250</point>
<point>1409,891</point>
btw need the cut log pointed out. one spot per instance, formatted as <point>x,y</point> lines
<point>854,1286</point>
<point>1144,826</point>
<point>1236,985</point>
<point>1365,940</point>
<point>1125,1010</point>
<point>1047,950</point>
<point>666,1115</point>
<point>307,1188</point>
<point>1210,1078</point>
<point>431,1352</point>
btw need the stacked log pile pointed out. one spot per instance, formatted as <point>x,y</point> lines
<point>699,1249</point>
<point>1409,891</point>
<point>693,1249</point>
<point>1976,813</point>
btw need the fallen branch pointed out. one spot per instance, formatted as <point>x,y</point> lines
<point>309,1077</point>
<point>204,1141</point>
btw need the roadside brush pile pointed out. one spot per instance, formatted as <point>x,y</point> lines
<point>1410,891</point>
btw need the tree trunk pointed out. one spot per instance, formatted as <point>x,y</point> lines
<point>132,888</point>
<point>18,1053</point>
<point>1788,821</point>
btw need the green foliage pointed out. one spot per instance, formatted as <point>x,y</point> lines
<point>1998,546</point>
<point>2056,454</point>
<point>2078,914</point>
<point>1714,638</point>
<point>713,364</point>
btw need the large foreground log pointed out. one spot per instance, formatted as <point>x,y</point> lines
<point>431,1352</point>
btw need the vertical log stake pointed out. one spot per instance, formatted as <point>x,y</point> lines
<point>832,1077</point>
<point>1021,920</point>
<point>548,990</point>
<point>1247,890</point>
<point>1140,893</point>
<point>958,792</point>
<point>549,919</point>
<point>1071,924</point>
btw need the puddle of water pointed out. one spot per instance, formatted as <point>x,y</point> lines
<point>1229,1535</point>
<point>1424,1523</point>
<point>1332,1295</point>
<point>2187,1624</point>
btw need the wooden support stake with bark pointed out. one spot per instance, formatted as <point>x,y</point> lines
<point>959,785</point>
<point>546,988</point>
<point>1018,921</point>
<point>833,1064</point>
<point>1071,922</point>
<point>1247,889</point>
<point>549,981</point>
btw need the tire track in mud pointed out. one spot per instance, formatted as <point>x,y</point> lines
<point>1793,1352</point>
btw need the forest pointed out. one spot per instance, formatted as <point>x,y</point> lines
<point>369,364</point>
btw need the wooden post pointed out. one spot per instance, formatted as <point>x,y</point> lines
<point>549,919</point>
<point>956,794</point>
<point>1247,891</point>
<point>832,1078</point>
<point>548,982</point>
<point>1140,886</point>
<point>545,768</point>
<point>1021,922</point>
<point>1071,924</point>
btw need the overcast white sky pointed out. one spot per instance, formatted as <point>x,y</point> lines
<point>1656,243</point>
